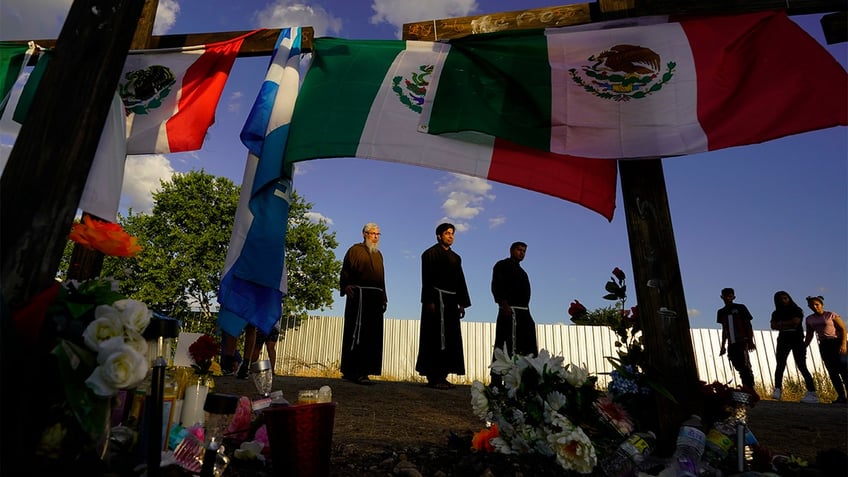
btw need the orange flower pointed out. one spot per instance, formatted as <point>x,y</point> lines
<point>481,440</point>
<point>106,237</point>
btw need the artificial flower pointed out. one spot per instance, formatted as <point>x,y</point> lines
<point>203,351</point>
<point>614,415</point>
<point>106,237</point>
<point>482,439</point>
<point>576,309</point>
<point>538,409</point>
<point>618,274</point>
<point>120,367</point>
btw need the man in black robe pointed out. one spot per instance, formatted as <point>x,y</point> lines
<point>514,327</point>
<point>363,282</point>
<point>444,298</point>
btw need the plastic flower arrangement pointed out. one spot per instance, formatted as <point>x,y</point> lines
<point>629,385</point>
<point>203,352</point>
<point>543,407</point>
<point>88,337</point>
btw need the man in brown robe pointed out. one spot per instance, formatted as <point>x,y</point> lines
<point>363,282</point>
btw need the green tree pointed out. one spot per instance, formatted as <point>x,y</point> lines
<point>312,270</point>
<point>185,240</point>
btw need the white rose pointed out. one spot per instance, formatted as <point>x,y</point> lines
<point>104,328</point>
<point>134,314</point>
<point>121,367</point>
<point>136,341</point>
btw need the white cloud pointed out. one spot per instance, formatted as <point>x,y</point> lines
<point>317,218</point>
<point>464,196</point>
<point>496,222</point>
<point>142,176</point>
<point>288,13</point>
<point>398,12</point>
<point>166,16</point>
<point>234,102</point>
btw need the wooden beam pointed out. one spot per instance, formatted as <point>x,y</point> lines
<point>259,44</point>
<point>450,28</point>
<point>577,14</point>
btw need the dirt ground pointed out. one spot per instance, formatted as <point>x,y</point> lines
<point>381,428</point>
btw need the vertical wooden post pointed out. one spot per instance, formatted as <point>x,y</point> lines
<point>659,292</point>
<point>39,192</point>
<point>46,172</point>
<point>86,263</point>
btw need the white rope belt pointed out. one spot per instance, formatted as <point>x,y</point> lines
<point>442,313</point>
<point>357,327</point>
<point>515,324</point>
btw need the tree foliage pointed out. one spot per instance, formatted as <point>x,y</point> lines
<point>311,264</point>
<point>185,240</point>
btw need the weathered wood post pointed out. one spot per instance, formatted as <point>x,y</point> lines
<point>41,187</point>
<point>45,175</point>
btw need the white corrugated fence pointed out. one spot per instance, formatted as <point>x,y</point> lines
<point>314,346</point>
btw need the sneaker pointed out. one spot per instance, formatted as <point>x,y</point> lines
<point>778,393</point>
<point>810,398</point>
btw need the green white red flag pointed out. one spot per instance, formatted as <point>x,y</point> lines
<point>171,96</point>
<point>661,90</point>
<point>362,98</point>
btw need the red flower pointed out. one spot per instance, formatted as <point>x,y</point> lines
<point>481,440</point>
<point>203,351</point>
<point>576,309</point>
<point>617,273</point>
<point>106,237</point>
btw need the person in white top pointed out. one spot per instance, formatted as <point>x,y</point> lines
<point>830,331</point>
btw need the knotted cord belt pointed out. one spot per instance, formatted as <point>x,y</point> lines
<point>357,327</point>
<point>442,313</point>
<point>515,324</point>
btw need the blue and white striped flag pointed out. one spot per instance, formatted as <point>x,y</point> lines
<point>254,278</point>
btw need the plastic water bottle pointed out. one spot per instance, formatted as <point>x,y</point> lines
<point>630,453</point>
<point>720,441</point>
<point>690,447</point>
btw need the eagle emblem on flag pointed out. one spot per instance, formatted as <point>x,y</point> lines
<point>145,89</point>
<point>413,91</point>
<point>623,72</point>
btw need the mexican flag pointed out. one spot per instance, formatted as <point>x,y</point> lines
<point>171,96</point>
<point>363,98</point>
<point>660,90</point>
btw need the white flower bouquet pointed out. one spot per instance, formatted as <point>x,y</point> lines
<point>543,407</point>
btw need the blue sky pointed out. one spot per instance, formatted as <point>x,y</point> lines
<point>759,218</point>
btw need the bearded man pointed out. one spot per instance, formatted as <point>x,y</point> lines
<point>363,282</point>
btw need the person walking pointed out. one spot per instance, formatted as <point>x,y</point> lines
<point>788,319</point>
<point>737,336</point>
<point>270,342</point>
<point>444,298</point>
<point>362,281</point>
<point>830,331</point>
<point>514,326</point>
